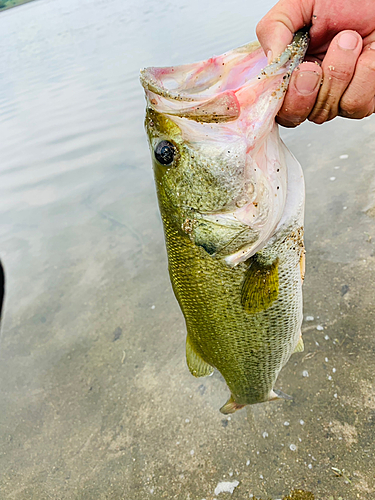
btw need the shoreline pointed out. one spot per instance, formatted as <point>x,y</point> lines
<point>8,4</point>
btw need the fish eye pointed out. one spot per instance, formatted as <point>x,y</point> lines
<point>165,152</point>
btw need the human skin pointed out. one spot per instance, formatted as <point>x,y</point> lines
<point>338,75</point>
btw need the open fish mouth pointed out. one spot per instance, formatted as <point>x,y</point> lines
<point>210,91</point>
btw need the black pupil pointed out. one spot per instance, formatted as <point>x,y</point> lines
<point>164,152</point>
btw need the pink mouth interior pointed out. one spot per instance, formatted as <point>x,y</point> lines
<point>192,82</point>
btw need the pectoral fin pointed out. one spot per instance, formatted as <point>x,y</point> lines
<point>260,287</point>
<point>197,366</point>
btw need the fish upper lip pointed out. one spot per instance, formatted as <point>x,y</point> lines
<point>193,85</point>
<point>149,82</point>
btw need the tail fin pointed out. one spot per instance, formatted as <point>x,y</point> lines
<point>276,394</point>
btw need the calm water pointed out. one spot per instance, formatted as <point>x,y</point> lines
<point>96,399</point>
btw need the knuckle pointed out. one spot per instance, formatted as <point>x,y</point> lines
<point>320,114</point>
<point>356,116</point>
<point>370,65</point>
<point>340,74</point>
<point>289,122</point>
<point>351,105</point>
<point>261,27</point>
<point>292,113</point>
<point>355,109</point>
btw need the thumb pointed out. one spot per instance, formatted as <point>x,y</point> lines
<point>275,31</point>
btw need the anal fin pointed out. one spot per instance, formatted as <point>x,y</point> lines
<point>300,346</point>
<point>197,366</point>
<point>230,406</point>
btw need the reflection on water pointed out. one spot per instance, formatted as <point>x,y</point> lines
<point>96,399</point>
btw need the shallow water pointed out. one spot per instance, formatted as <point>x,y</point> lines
<point>96,399</point>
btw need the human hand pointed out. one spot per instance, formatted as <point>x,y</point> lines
<point>338,75</point>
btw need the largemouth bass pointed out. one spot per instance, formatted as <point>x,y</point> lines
<point>231,198</point>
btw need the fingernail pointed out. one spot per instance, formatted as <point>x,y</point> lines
<point>348,41</point>
<point>269,56</point>
<point>306,82</point>
<point>372,45</point>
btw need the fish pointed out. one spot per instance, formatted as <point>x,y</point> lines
<point>231,198</point>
